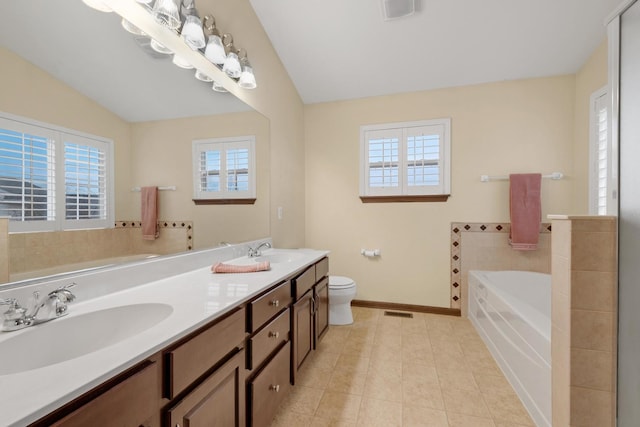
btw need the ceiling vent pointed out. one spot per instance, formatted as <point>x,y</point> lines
<point>394,9</point>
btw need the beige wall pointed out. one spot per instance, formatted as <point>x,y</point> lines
<point>591,77</point>
<point>498,128</point>
<point>162,156</point>
<point>30,92</point>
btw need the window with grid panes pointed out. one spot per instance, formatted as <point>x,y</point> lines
<point>224,168</point>
<point>601,190</point>
<point>405,161</point>
<point>53,178</point>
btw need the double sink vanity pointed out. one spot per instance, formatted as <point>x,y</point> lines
<point>166,342</point>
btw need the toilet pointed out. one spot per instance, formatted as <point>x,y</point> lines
<point>341,291</point>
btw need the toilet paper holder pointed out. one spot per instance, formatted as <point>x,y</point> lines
<point>370,253</point>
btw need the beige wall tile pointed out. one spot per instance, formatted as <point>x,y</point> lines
<point>593,251</point>
<point>600,224</point>
<point>593,290</point>
<point>590,408</point>
<point>591,369</point>
<point>592,330</point>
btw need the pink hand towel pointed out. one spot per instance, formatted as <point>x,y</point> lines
<point>230,268</point>
<point>525,209</point>
<point>149,212</point>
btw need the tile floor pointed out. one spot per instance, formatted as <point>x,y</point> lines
<point>431,370</point>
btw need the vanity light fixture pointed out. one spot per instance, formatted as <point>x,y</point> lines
<point>132,28</point>
<point>97,5</point>
<point>247,79</point>
<point>232,63</point>
<point>203,77</point>
<point>155,45</point>
<point>192,32</point>
<point>214,51</point>
<point>218,87</point>
<point>166,13</point>
<point>181,62</point>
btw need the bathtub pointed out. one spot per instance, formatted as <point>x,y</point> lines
<point>511,311</point>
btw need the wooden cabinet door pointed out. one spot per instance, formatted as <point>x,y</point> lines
<point>302,331</point>
<point>322,308</point>
<point>269,388</point>
<point>218,402</point>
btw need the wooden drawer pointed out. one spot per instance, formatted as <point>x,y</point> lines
<point>268,339</point>
<point>269,388</point>
<point>322,268</point>
<point>130,402</point>
<point>218,401</point>
<point>304,282</point>
<point>191,359</point>
<point>268,305</point>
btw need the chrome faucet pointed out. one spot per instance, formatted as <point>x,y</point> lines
<point>52,306</point>
<point>254,252</point>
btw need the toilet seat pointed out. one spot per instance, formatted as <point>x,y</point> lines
<point>340,282</point>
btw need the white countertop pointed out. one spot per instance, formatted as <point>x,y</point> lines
<point>197,297</point>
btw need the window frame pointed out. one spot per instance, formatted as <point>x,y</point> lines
<point>224,196</point>
<point>58,135</point>
<point>405,192</point>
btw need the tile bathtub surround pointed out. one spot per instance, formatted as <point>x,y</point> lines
<point>4,250</point>
<point>431,370</point>
<point>584,309</point>
<point>485,246</point>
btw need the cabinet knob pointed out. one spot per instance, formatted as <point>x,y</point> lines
<point>275,303</point>
<point>275,388</point>
<point>274,335</point>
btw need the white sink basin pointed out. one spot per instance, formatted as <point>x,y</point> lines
<point>70,337</point>
<point>276,256</point>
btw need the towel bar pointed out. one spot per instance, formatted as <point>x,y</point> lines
<point>487,178</point>
<point>168,188</point>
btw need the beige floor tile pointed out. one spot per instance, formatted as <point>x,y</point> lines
<point>422,395</point>
<point>450,362</point>
<point>353,362</point>
<point>418,357</point>
<point>303,400</point>
<point>324,359</point>
<point>461,379</point>
<point>339,406</point>
<point>492,383</point>
<point>292,419</point>
<point>506,407</point>
<point>484,366</point>
<point>386,339</point>
<point>414,326</point>
<point>419,373</point>
<point>461,420</point>
<point>382,386</point>
<point>379,413</point>
<point>323,422</point>
<point>414,416</point>
<point>313,376</point>
<point>467,402</point>
<point>346,381</point>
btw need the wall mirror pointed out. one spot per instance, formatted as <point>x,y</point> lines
<point>55,52</point>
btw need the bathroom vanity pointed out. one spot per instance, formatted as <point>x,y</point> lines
<point>226,354</point>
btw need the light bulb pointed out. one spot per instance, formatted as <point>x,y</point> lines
<point>247,79</point>
<point>215,51</point>
<point>232,65</point>
<point>166,13</point>
<point>192,32</point>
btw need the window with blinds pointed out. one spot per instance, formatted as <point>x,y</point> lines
<point>53,178</point>
<point>600,192</point>
<point>224,168</point>
<point>405,159</point>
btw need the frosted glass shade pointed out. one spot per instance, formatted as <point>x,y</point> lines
<point>232,65</point>
<point>203,77</point>
<point>215,51</point>
<point>159,47</point>
<point>192,32</point>
<point>181,62</point>
<point>247,79</point>
<point>131,28</point>
<point>166,13</point>
<point>219,88</point>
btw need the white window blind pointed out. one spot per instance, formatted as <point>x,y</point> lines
<point>52,178</point>
<point>404,159</point>
<point>224,168</point>
<point>600,191</point>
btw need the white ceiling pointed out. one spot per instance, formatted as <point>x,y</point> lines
<point>343,49</point>
<point>332,49</point>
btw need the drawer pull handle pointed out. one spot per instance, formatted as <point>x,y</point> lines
<point>275,303</point>
<point>275,335</point>
<point>275,388</point>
